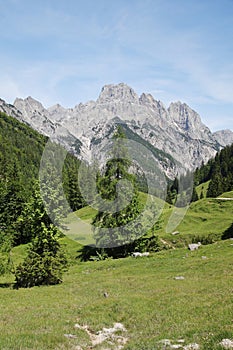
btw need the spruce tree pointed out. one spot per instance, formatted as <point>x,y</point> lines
<point>12,200</point>
<point>32,216</point>
<point>71,183</point>
<point>194,195</point>
<point>113,224</point>
<point>46,260</point>
<point>6,264</point>
<point>169,198</point>
<point>215,186</point>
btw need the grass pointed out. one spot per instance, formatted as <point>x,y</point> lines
<point>227,195</point>
<point>202,188</point>
<point>78,226</point>
<point>143,295</point>
<point>206,217</point>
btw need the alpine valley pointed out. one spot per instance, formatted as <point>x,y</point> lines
<point>175,135</point>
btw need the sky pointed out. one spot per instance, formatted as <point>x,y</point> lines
<point>65,51</point>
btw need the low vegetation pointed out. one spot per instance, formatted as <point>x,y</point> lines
<point>143,295</point>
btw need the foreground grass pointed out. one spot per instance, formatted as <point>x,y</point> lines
<point>143,295</point>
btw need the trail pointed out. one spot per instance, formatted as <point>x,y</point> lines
<point>224,199</point>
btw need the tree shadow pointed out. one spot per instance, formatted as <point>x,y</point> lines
<point>7,285</point>
<point>228,233</point>
<point>85,253</point>
<point>142,244</point>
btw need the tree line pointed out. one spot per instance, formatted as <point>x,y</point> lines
<point>219,171</point>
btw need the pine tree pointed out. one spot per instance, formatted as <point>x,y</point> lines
<point>113,224</point>
<point>51,185</point>
<point>169,198</point>
<point>32,216</point>
<point>88,178</point>
<point>45,262</point>
<point>194,195</point>
<point>6,264</point>
<point>175,185</point>
<point>12,200</point>
<point>71,183</point>
<point>215,186</point>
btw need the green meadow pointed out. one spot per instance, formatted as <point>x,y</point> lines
<point>142,293</point>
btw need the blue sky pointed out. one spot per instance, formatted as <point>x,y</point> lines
<point>64,51</point>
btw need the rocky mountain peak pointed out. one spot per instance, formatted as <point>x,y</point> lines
<point>119,92</point>
<point>180,111</point>
<point>57,112</point>
<point>149,101</point>
<point>55,107</point>
<point>29,106</point>
<point>35,115</point>
<point>223,137</point>
<point>10,110</point>
<point>188,120</point>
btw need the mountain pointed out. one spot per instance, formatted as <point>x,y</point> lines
<point>224,137</point>
<point>176,135</point>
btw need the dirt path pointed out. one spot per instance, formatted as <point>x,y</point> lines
<point>225,199</point>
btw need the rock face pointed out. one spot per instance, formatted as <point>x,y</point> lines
<point>224,137</point>
<point>176,134</point>
<point>10,110</point>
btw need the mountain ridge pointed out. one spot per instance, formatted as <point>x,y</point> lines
<point>177,130</point>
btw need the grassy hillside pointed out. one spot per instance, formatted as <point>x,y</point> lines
<point>143,295</point>
<point>226,195</point>
<point>205,217</point>
<point>205,220</point>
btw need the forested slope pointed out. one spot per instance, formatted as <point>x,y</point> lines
<point>219,171</point>
<point>21,149</point>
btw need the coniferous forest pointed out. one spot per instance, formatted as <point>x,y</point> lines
<point>23,217</point>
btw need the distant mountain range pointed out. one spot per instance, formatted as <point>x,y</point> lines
<point>175,135</point>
